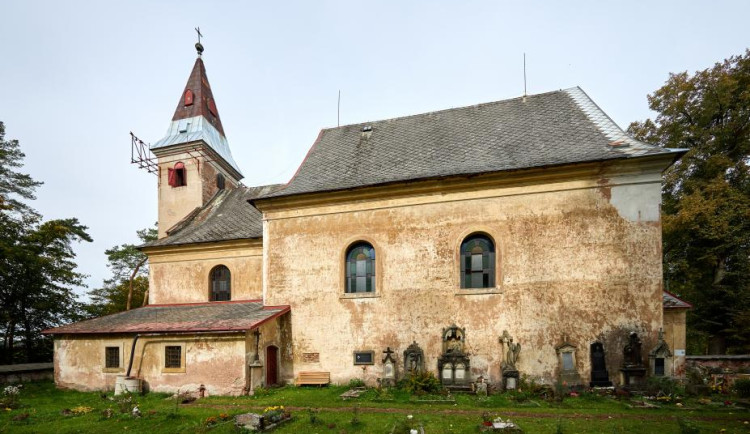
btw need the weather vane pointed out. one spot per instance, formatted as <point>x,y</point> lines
<point>198,45</point>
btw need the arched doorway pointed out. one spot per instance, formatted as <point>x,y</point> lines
<point>272,365</point>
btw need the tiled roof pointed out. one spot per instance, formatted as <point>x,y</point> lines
<point>549,129</point>
<point>671,301</point>
<point>197,317</point>
<point>227,216</point>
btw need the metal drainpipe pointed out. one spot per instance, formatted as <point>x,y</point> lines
<point>138,335</point>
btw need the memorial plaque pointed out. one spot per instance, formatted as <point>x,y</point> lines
<point>311,357</point>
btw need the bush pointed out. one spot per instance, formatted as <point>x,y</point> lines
<point>356,382</point>
<point>420,383</point>
<point>742,388</point>
<point>663,386</point>
<point>11,397</point>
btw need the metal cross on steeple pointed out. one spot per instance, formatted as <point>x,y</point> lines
<point>198,45</point>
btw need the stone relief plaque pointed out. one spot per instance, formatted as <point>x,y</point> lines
<point>311,357</point>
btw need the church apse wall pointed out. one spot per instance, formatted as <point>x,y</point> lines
<point>578,259</point>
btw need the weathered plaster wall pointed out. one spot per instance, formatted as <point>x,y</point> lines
<point>181,274</point>
<point>278,334</point>
<point>216,361</point>
<point>674,336</point>
<point>177,202</point>
<point>571,262</point>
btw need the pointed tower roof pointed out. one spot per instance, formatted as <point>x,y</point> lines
<point>197,119</point>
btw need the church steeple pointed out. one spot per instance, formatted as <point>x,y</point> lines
<point>194,158</point>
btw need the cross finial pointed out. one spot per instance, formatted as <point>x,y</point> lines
<point>198,45</point>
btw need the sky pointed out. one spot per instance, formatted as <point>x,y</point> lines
<point>77,76</point>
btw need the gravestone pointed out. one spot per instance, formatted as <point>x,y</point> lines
<point>568,372</point>
<point>413,359</point>
<point>599,373</point>
<point>660,358</point>
<point>453,364</point>
<point>633,370</point>
<point>508,367</point>
<point>389,369</point>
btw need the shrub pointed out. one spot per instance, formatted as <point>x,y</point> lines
<point>663,386</point>
<point>742,388</point>
<point>11,397</point>
<point>420,383</point>
<point>125,402</point>
<point>356,382</point>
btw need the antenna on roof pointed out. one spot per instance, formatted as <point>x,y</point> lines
<point>524,76</point>
<point>338,111</point>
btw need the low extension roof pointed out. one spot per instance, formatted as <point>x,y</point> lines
<point>671,301</point>
<point>227,216</point>
<point>196,317</point>
<point>555,128</point>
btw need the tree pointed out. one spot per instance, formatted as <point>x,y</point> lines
<point>37,272</point>
<point>129,279</point>
<point>706,198</point>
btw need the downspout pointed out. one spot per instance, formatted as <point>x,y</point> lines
<point>138,335</point>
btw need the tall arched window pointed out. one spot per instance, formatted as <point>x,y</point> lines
<point>221,284</point>
<point>477,262</point>
<point>360,268</point>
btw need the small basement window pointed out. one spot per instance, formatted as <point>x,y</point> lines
<point>173,356</point>
<point>364,357</point>
<point>177,175</point>
<point>112,357</point>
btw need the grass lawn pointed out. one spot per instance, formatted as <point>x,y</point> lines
<point>44,409</point>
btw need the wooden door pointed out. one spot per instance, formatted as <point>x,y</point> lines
<point>272,365</point>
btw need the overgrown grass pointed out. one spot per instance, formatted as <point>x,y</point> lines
<point>42,409</point>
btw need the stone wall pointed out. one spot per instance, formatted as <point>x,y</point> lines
<point>181,274</point>
<point>578,256</point>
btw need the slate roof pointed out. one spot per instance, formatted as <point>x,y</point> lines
<point>549,129</point>
<point>196,317</point>
<point>671,301</point>
<point>227,216</point>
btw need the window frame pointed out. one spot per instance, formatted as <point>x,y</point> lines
<point>211,292</point>
<point>120,356</point>
<point>370,352</point>
<point>172,369</point>
<point>177,175</point>
<point>370,269</point>
<point>380,256</point>
<point>495,273</point>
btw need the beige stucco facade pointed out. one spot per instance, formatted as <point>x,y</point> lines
<point>578,257</point>
<point>181,274</point>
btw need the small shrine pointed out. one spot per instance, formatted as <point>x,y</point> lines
<point>453,364</point>
<point>633,370</point>
<point>660,358</point>
<point>599,373</point>
<point>413,359</point>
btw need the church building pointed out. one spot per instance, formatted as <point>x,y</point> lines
<point>516,237</point>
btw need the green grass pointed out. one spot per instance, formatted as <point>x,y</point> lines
<point>44,405</point>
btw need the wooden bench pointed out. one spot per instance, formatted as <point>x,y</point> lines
<point>313,378</point>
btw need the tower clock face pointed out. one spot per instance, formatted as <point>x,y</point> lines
<point>188,97</point>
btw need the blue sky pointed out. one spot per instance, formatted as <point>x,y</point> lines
<point>77,76</point>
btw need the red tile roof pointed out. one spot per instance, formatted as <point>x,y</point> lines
<point>189,317</point>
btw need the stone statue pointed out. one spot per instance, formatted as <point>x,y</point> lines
<point>512,356</point>
<point>632,351</point>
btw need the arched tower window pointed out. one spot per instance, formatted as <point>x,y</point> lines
<point>477,262</point>
<point>221,284</point>
<point>360,268</point>
<point>177,175</point>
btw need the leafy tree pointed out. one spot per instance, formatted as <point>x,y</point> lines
<point>706,198</point>
<point>129,281</point>
<point>37,272</point>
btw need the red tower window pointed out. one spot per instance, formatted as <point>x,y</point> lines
<point>177,176</point>
<point>188,97</point>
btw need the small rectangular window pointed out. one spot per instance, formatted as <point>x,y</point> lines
<point>364,357</point>
<point>659,367</point>
<point>173,357</point>
<point>112,357</point>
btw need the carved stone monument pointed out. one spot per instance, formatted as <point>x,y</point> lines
<point>660,358</point>
<point>599,373</point>
<point>453,364</point>
<point>389,369</point>
<point>508,367</point>
<point>413,359</point>
<point>633,370</point>
<point>567,356</point>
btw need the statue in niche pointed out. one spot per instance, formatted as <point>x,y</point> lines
<point>413,359</point>
<point>453,364</point>
<point>453,338</point>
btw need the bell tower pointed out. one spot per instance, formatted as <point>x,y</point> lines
<point>193,159</point>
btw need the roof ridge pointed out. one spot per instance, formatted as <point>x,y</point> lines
<point>483,104</point>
